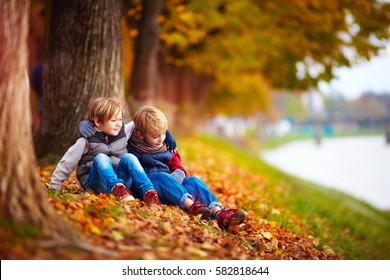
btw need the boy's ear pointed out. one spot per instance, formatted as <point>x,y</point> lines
<point>139,134</point>
<point>96,121</point>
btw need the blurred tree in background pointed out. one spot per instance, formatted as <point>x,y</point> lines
<point>193,58</point>
<point>286,44</point>
<point>143,86</point>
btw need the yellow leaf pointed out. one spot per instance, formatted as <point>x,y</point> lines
<point>328,250</point>
<point>117,235</point>
<point>208,246</point>
<point>266,234</point>
<point>273,224</point>
<point>148,256</point>
<point>198,217</point>
<point>165,227</point>
<point>196,251</point>
<point>158,213</point>
<point>94,229</point>
<point>60,206</point>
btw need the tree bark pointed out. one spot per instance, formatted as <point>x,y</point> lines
<point>143,81</point>
<point>186,93</point>
<point>21,199</point>
<point>83,61</point>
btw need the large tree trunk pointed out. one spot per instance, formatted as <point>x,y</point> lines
<point>143,81</point>
<point>21,199</point>
<point>83,61</point>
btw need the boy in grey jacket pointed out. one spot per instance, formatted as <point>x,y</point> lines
<point>102,161</point>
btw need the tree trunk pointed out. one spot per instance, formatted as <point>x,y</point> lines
<point>185,91</point>
<point>21,199</point>
<point>143,82</point>
<point>83,61</point>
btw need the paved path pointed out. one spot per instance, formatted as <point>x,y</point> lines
<point>359,166</point>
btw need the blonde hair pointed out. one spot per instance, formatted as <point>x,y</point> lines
<point>150,119</point>
<point>103,108</point>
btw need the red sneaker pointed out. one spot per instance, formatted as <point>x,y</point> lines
<point>229,217</point>
<point>122,193</point>
<point>199,208</point>
<point>151,197</point>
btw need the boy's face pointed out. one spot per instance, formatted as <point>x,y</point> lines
<point>154,139</point>
<point>112,126</point>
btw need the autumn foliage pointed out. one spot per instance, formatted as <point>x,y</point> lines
<point>138,231</point>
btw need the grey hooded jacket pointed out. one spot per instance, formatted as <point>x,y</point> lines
<point>81,155</point>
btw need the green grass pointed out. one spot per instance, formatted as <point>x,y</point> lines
<point>352,228</point>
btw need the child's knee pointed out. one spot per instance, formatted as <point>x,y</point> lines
<point>160,177</point>
<point>101,155</point>
<point>130,158</point>
<point>192,180</point>
<point>100,158</point>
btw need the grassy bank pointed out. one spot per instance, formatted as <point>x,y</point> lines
<point>349,227</point>
<point>286,218</point>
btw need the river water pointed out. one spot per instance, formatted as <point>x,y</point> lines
<point>359,166</point>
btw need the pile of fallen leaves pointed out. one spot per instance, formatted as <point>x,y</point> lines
<point>135,230</point>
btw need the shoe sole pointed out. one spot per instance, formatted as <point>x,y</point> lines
<point>238,218</point>
<point>127,198</point>
<point>205,214</point>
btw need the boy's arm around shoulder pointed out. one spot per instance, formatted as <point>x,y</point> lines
<point>170,142</point>
<point>68,163</point>
<point>87,129</point>
<point>129,128</point>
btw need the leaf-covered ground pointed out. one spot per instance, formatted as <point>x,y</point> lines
<point>135,230</point>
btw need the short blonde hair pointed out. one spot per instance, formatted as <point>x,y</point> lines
<point>103,108</point>
<point>150,119</point>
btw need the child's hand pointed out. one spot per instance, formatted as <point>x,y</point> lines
<point>87,129</point>
<point>171,142</point>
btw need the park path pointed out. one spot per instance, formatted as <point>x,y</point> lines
<point>359,166</point>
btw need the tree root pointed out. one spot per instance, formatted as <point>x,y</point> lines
<point>82,245</point>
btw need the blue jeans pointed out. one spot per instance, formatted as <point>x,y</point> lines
<point>103,176</point>
<point>172,193</point>
<point>196,187</point>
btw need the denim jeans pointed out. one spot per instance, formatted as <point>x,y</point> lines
<point>103,176</point>
<point>172,193</point>
<point>196,187</point>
